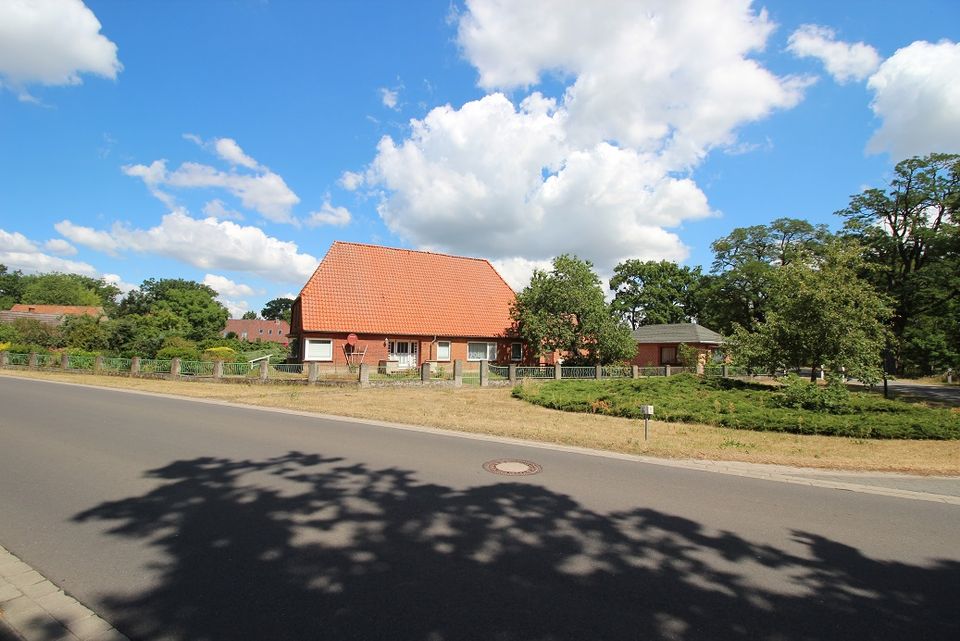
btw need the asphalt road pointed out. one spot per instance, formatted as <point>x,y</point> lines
<point>181,520</point>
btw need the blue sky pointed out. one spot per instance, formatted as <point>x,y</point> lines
<point>232,142</point>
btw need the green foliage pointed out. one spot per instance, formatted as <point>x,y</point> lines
<point>564,310</point>
<point>68,289</point>
<point>277,309</point>
<point>911,234</point>
<point>251,315</point>
<point>28,348</point>
<point>737,292</point>
<point>688,355</point>
<point>737,404</point>
<point>85,332</point>
<point>219,354</point>
<point>177,347</point>
<point>800,393</point>
<point>819,313</point>
<point>34,332</point>
<point>651,292</point>
<point>9,333</point>
<point>193,303</point>
<point>11,287</point>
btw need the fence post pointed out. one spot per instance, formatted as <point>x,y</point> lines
<point>484,373</point>
<point>4,358</point>
<point>425,373</point>
<point>264,370</point>
<point>512,373</point>
<point>217,369</point>
<point>701,368</point>
<point>64,362</point>
<point>32,360</point>
<point>666,370</point>
<point>950,376</point>
<point>599,373</point>
<point>98,364</point>
<point>175,368</point>
<point>458,373</point>
<point>135,366</point>
<point>364,374</point>
<point>634,371</point>
<point>557,371</point>
<point>313,371</point>
<point>725,371</point>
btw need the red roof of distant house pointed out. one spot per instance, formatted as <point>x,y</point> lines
<point>59,310</point>
<point>258,329</point>
<point>382,290</point>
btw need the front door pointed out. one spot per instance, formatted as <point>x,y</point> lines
<point>404,352</point>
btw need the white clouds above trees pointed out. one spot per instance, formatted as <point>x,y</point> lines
<point>19,252</point>
<point>52,42</point>
<point>651,88</point>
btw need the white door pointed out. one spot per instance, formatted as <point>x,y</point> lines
<point>404,352</point>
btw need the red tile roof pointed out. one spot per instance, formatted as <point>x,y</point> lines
<point>59,310</point>
<point>382,290</point>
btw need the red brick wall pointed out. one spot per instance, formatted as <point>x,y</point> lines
<point>376,351</point>
<point>648,354</point>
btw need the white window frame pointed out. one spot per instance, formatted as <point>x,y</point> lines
<point>519,356</point>
<point>448,347</point>
<point>490,347</point>
<point>308,356</point>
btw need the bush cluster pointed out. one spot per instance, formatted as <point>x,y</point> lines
<point>732,403</point>
<point>801,393</point>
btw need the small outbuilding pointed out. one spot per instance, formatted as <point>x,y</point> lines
<point>659,345</point>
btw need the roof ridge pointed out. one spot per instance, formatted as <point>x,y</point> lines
<point>405,249</point>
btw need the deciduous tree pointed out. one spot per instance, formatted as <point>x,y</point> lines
<point>651,292</point>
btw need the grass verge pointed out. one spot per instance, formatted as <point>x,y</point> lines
<point>496,412</point>
<point>746,406</point>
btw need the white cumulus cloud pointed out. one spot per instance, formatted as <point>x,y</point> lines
<point>19,252</point>
<point>226,287</point>
<point>229,150</point>
<point>389,97</point>
<point>844,61</point>
<point>210,244</point>
<point>217,209</point>
<point>916,95</point>
<point>329,215</point>
<point>52,42</point>
<point>60,247</point>
<point>350,180</point>
<point>600,170</point>
<point>98,240</point>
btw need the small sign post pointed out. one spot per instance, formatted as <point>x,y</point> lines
<point>647,411</point>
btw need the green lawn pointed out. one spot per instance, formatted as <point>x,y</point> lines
<point>738,404</point>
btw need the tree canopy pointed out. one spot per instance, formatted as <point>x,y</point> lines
<point>193,303</point>
<point>277,309</point>
<point>911,236</point>
<point>564,310</point>
<point>651,292</point>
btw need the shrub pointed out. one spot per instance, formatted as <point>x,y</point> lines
<point>800,393</point>
<point>177,347</point>
<point>219,354</point>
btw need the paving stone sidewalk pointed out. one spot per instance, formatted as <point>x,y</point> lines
<point>34,609</point>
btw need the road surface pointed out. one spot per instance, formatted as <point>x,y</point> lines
<point>182,520</point>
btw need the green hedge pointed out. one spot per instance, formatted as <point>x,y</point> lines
<point>731,403</point>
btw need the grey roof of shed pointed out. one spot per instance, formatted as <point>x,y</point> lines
<point>677,333</point>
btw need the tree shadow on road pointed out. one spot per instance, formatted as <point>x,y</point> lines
<point>306,547</point>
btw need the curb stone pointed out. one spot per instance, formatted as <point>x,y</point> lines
<point>34,609</point>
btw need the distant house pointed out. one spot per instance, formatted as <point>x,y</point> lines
<point>258,330</point>
<point>48,314</point>
<point>658,345</point>
<point>404,308</point>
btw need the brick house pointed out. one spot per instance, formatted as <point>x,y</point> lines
<point>658,345</point>
<point>258,330</point>
<point>372,304</point>
<point>49,314</point>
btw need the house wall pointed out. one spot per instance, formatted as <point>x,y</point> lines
<point>648,354</point>
<point>377,350</point>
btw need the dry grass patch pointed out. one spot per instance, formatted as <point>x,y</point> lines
<point>495,412</point>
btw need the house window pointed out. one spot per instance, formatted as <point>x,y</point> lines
<point>668,355</point>
<point>318,349</point>
<point>481,351</point>
<point>261,330</point>
<point>443,350</point>
<point>270,331</point>
<point>516,351</point>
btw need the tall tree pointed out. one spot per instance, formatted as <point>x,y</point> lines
<point>277,309</point>
<point>564,310</point>
<point>737,290</point>
<point>11,287</point>
<point>249,315</point>
<point>68,289</point>
<point>820,312</point>
<point>196,304</point>
<point>651,292</point>
<point>911,232</point>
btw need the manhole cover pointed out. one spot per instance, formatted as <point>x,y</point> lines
<point>512,467</point>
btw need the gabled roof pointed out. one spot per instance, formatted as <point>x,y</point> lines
<point>382,290</point>
<point>677,333</point>
<point>59,310</point>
